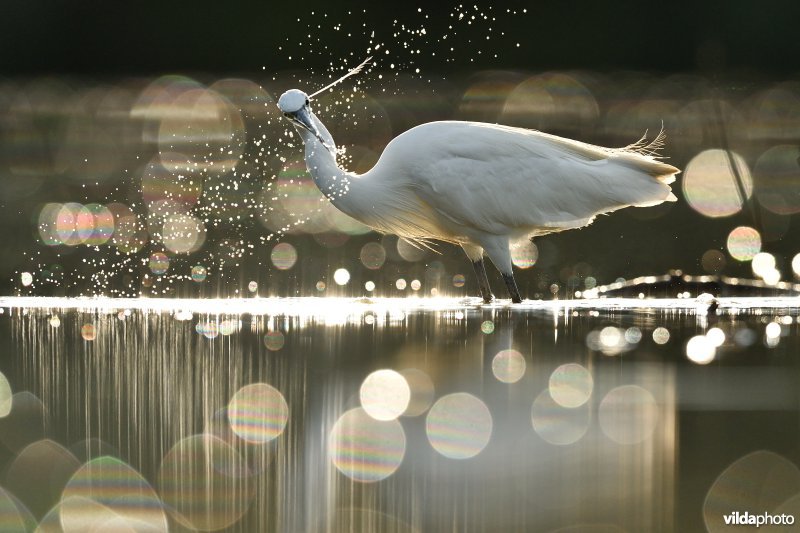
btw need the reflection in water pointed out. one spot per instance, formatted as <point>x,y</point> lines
<point>329,414</point>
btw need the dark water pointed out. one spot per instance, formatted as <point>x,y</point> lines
<point>146,418</point>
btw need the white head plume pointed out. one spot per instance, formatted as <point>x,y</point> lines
<point>356,70</point>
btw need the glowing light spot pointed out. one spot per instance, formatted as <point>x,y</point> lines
<point>701,350</point>
<point>283,256</point>
<point>459,426</point>
<point>88,332</point>
<point>341,276</point>
<point>258,413</point>
<point>610,340</point>
<point>716,337</point>
<point>773,330</point>
<point>508,366</point>
<point>201,479</point>
<point>661,335</point>
<point>365,449</point>
<point>199,273</point>
<point>571,385</point>
<point>369,286</point>
<point>273,340</point>
<point>373,255</point>
<point>26,278</point>
<point>762,263</point>
<point>744,243</point>
<point>524,254</point>
<point>710,183</point>
<point>415,285</point>
<point>385,394</point>
<point>628,414</point>
<point>459,280</point>
<point>6,396</point>
<point>487,326</point>
<point>557,424</point>
<point>55,321</point>
<point>252,286</point>
<point>400,284</point>
<point>422,391</point>
<point>796,265</point>
<point>159,263</point>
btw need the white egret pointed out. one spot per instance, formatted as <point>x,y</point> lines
<point>481,186</point>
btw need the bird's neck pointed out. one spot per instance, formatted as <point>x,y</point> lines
<point>321,163</point>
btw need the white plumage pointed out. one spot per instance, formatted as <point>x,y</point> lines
<point>482,186</point>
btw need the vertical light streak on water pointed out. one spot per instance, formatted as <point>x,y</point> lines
<point>148,381</point>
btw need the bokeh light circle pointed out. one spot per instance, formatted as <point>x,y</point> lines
<point>459,425</point>
<point>274,340</point>
<point>557,424</point>
<point>628,414</point>
<point>88,332</point>
<point>199,273</point>
<point>422,391</point>
<point>283,256</point>
<point>6,396</point>
<point>373,255</point>
<point>159,263</point>
<point>385,394</point>
<point>365,449</point>
<point>202,479</point>
<point>113,488</point>
<point>459,280</point>
<point>508,366</point>
<point>700,349</point>
<point>777,173</point>
<point>524,254</point>
<point>661,335</point>
<point>758,481</point>
<point>341,276</point>
<point>487,327</point>
<point>744,243</point>
<point>183,234</point>
<point>258,413</point>
<point>711,186</point>
<point>571,385</point>
<point>713,261</point>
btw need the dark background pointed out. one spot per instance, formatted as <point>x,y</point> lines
<point>150,37</point>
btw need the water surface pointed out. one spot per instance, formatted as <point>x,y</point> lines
<point>260,414</point>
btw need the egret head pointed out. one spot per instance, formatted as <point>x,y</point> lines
<point>292,101</point>
<point>295,106</point>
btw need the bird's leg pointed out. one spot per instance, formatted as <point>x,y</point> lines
<point>483,280</point>
<point>512,288</point>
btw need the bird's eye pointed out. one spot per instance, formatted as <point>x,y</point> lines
<point>307,101</point>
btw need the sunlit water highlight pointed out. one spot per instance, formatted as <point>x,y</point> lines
<point>253,414</point>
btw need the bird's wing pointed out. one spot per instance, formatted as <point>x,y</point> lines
<point>497,179</point>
